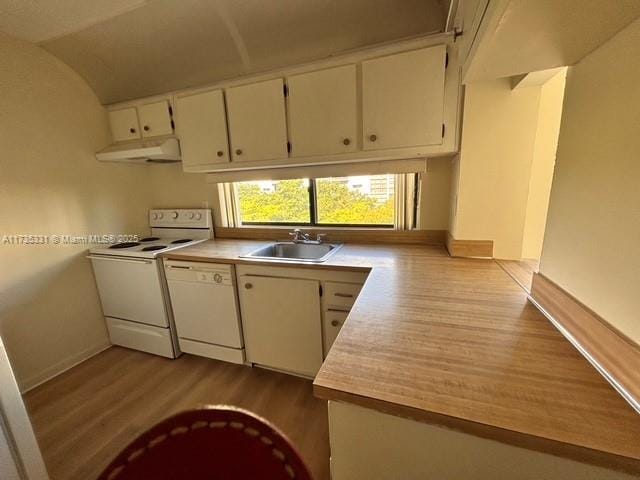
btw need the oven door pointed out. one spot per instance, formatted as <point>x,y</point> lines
<point>131,289</point>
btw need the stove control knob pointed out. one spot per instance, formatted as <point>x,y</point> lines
<point>174,215</point>
<point>198,216</point>
<point>160,215</point>
<point>191,215</point>
<point>217,278</point>
<point>155,216</point>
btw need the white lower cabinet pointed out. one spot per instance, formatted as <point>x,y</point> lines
<point>291,316</point>
<point>281,322</point>
<point>337,301</point>
<point>333,321</point>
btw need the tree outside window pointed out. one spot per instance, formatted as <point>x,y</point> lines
<point>362,200</point>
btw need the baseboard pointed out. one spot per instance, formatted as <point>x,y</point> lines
<point>613,354</point>
<point>469,248</point>
<point>61,367</point>
<point>343,235</point>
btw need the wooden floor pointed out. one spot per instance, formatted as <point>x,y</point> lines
<point>85,416</point>
<point>521,271</point>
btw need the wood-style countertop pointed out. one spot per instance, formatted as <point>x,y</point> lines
<point>454,342</point>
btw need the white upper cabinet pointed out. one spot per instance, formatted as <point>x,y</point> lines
<point>124,124</point>
<point>323,112</point>
<point>389,103</point>
<point>257,121</point>
<point>403,99</point>
<point>155,119</point>
<point>202,129</point>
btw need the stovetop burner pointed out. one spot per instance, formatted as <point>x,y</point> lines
<point>125,245</point>
<point>151,248</point>
<point>182,240</point>
<point>149,239</point>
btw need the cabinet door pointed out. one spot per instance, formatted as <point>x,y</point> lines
<point>403,99</point>
<point>257,122</point>
<point>155,119</point>
<point>202,128</point>
<point>281,322</point>
<point>323,112</point>
<point>124,124</point>
<point>333,321</point>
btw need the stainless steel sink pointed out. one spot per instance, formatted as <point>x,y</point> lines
<point>295,252</point>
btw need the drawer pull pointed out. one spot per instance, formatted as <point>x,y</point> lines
<point>337,310</point>
<point>335,323</point>
<point>343,295</point>
<point>248,286</point>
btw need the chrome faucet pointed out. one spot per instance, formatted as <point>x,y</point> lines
<point>298,237</point>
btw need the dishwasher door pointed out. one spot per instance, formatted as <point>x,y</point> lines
<point>203,298</point>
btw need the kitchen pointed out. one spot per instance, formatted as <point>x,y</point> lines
<point>388,233</point>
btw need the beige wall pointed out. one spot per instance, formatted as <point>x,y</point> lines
<point>172,188</point>
<point>498,136</point>
<point>435,197</point>
<point>592,241</point>
<point>502,177</point>
<point>366,444</point>
<point>542,164</point>
<point>454,187</point>
<point>51,124</point>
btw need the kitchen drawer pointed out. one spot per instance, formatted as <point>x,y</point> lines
<point>342,295</point>
<point>333,321</point>
<point>138,336</point>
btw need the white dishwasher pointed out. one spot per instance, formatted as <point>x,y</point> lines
<point>205,309</point>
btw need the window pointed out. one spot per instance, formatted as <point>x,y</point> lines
<point>366,200</point>
<point>279,202</point>
<point>350,201</point>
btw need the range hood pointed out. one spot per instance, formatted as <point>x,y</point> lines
<point>155,150</point>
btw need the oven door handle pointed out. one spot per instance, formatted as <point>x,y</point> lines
<point>119,259</point>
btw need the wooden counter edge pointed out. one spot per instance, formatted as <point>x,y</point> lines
<point>557,448</point>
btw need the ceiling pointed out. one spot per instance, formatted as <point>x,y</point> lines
<point>128,49</point>
<point>523,36</point>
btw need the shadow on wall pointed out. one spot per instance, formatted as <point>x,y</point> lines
<point>51,183</point>
<point>57,304</point>
<point>172,188</point>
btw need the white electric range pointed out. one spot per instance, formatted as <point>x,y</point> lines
<point>132,285</point>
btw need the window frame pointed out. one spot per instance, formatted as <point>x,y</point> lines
<point>313,216</point>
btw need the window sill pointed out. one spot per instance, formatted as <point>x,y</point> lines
<point>337,234</point>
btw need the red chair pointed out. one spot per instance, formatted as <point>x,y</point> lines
<point>213,443</point>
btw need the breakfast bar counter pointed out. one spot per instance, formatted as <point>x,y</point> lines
<point>455,342</point>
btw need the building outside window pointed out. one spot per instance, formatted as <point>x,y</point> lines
<point>373,201</point>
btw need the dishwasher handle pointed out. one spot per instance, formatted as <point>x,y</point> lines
<point>179,267</point>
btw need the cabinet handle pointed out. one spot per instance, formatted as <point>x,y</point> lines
<point>248,286</point>
<point>132,130</point>
<point>373,138</point>
<point>343,295</point>
<point>146,128</point>
<point>220,153</point>
<point>335,323</point>
<point>346,141</point>
<point>238,151</point>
